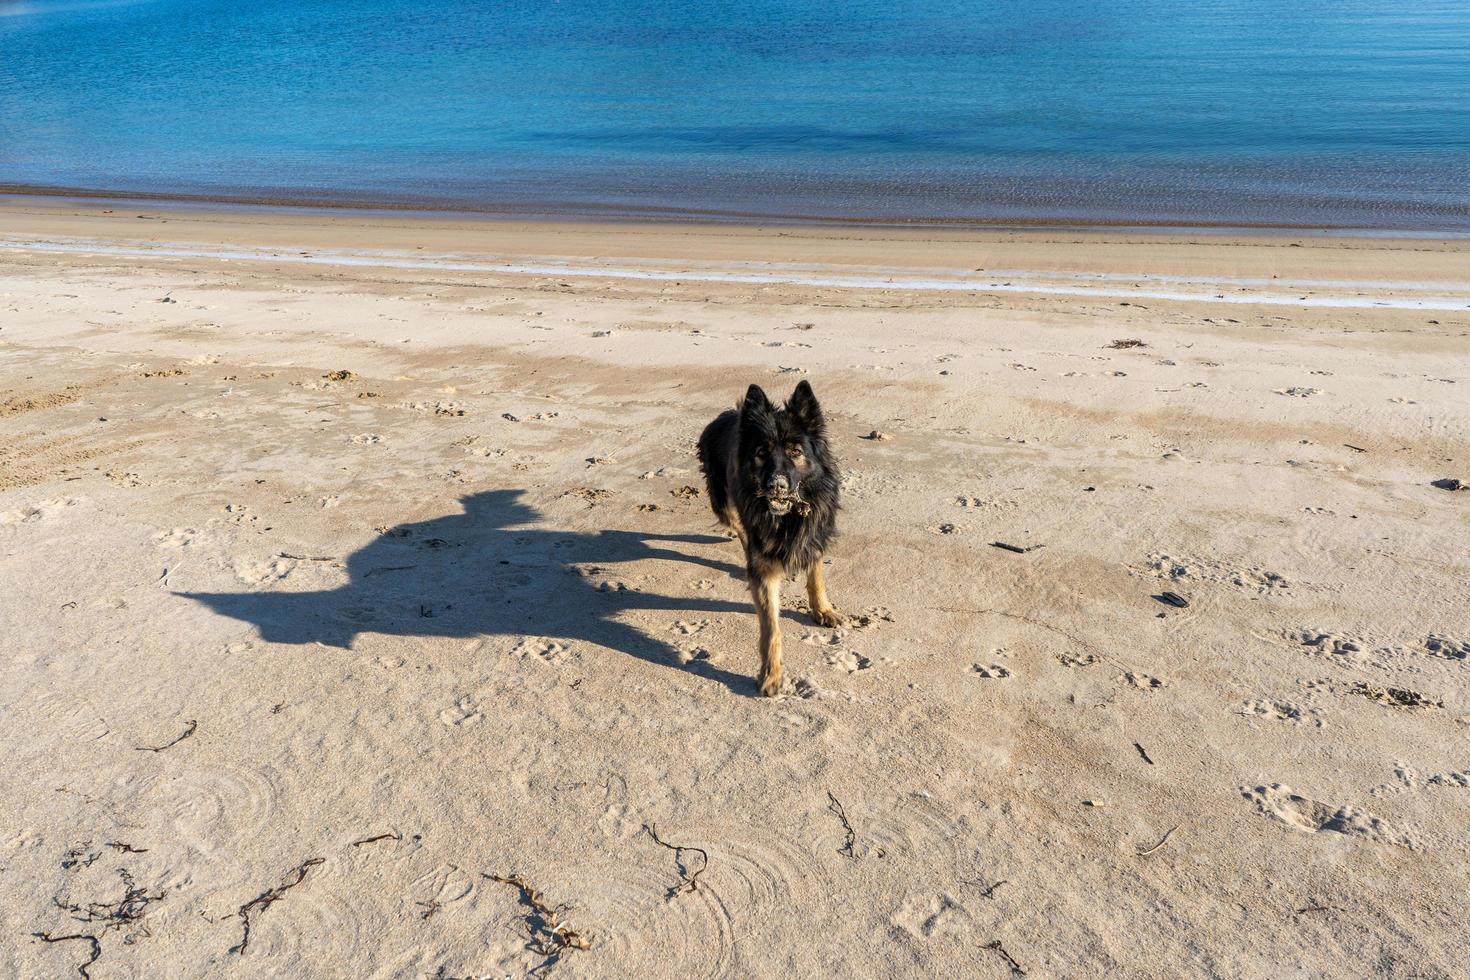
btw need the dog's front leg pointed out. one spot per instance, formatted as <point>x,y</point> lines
<point>765,588</point>
<point>816,595</point>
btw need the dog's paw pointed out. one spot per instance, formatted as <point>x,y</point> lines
<point>770,686</point>
<point>828,617</point>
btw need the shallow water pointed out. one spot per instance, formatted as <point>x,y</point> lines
<point>1350,113</point>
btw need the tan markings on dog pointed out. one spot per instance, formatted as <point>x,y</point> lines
<point>732,518</point>
<point>816,594</point>
<point>766,590</point>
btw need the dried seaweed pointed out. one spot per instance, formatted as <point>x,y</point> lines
<point>849,836</point>
<point>46,937</point>
<point>687,882</point>
<point>190,730</point>
<point>269,897</point>
<point>547,935</point>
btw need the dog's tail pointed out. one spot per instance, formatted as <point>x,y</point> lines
<point>715,443</point>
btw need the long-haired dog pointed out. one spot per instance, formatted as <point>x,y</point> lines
<point>773,480</point>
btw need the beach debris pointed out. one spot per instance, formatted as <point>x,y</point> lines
<point>1017,549</point>
<point>989,891</point>
<point>395,836</point>
<point>548,935</point>
<point>46,937</point>
<point>190,730</point>
<point>114,915</point>
<point>1356,449</point>
<point>509,417</point>
<point>849,836</point>
<point>994,945</point>
<point>687,881</point>
<point>343,375</point>
<point>1162,841</point>
<point>877,435</point>
<point>269,897</point>
<point>1096,804</point>
<point>122,848</point>
<point>287,554</point>
<point>1143,753</point>
<point>1450,483</point>
<point>1174,599</point>
<point>1395,697</point>
<point>1127,342</point>
<point>80,857</point>
<point>685,492</point>
<point>168,299</point>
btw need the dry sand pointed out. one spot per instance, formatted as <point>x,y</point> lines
<point>466,598</point>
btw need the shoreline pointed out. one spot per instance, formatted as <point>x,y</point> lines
<point>555,212</point>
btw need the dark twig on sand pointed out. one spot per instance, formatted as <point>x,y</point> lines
<point>1162,841</point>
<point>849,837</point>
<point>1142,752</point>
<point>989,892</point>
<point>548,935</point>
<point>46,937</point>
<point>1016,970</point>
<point>193,726</point>
<point>287,554</point>
<point>429,908</point>
<point>687,881</point>
<point>396,835</point>
<point>269,897</point>
<point>1015,548</point>
<point>126,848</point>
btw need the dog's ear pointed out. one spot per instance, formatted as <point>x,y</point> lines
<point>804,408</point>
<point>755,402</point>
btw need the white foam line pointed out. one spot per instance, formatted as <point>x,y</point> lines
<point>1034,283</point>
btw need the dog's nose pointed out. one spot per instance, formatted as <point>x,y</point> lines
<point>779,484</point>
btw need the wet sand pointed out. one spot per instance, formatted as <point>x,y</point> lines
<point>392,559</point>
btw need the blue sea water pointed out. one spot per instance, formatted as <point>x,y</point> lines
<point>1340,113</point>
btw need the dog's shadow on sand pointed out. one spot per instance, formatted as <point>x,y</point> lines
<point>490,571</point>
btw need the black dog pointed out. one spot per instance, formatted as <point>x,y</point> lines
<point>773,480</point>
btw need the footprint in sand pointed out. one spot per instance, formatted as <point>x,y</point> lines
<point>929,916</point>
<point>992,671</point>
<point>1280,803</point>
<point>366,439</point>
<point>32,513</point>
<point>870,617</point>
<point>1142,681</point>
<point>693,653</point>
<point>179,537</point>
<point>465,712</point>
<point>689,627</point>
<point>1447,648</point>
<point>1077,659</point>
<point>704,585</point>
<point>543,649</point>
<point>258,572</point>
<point>1275,710</point>
<point>845,659</point>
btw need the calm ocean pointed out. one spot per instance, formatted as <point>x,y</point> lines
<point>1342,113</point>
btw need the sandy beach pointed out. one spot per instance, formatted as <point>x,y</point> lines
<point>357,573</point>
